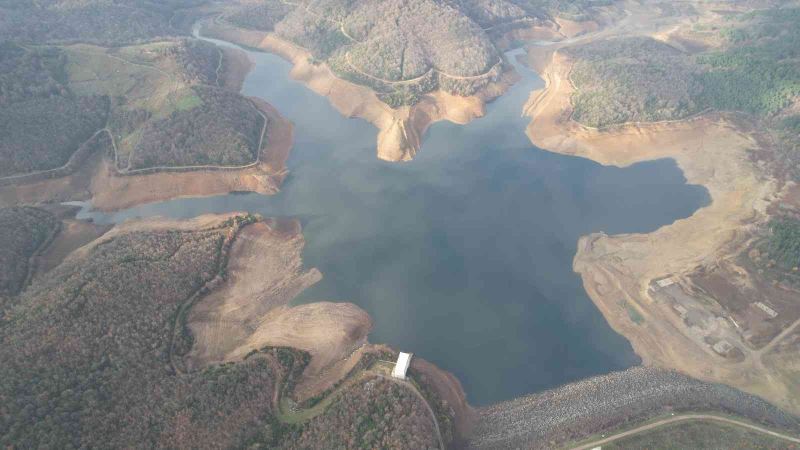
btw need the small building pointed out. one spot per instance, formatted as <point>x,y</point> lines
<point>669,281</point>
<point>723,347</point>
<point>682,311</point>
<point>400,368</point>
<point>769,311</point>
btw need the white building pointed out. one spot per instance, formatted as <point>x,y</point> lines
<point>665,282</point>
<point>770,312</point>
<point>401,366</point>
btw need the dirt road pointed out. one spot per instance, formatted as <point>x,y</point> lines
<point>683,418</point>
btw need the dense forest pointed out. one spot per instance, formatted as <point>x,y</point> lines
<point>42,123</point>
<point>392,40</point>
<point>23,232</point>
<point>209,126</point>
<point>379,43</point>
<point>88,354</point>
<point>377,413</point>
<point>759,71</point>
<point>105,22</point>
<point>260,15</point>
<point>196,62</point>
<point>783,243</point>
<point>632,80</point>
<point>160,101</point>
<point>639,79</point>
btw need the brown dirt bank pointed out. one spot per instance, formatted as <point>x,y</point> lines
<point>400,129</point>
<point>111,191</point>
<point>712,151</point>
<point>76,186</point>
<point>97,181</point>
<point>237,66</point>
<point>250,310</point>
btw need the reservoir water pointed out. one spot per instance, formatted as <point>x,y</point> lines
<point>464,255</point>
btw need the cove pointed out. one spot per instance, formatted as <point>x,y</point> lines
<point>464,255</point>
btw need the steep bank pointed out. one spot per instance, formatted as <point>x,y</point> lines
<point>111,191</point>
<point>400,129</point>
<point>251,311</point>
<point>617,270</point>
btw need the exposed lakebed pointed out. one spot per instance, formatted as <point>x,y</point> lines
<point>464,255</point>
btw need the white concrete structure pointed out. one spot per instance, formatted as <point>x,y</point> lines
<point>401,366</point>
<point>665,282</point>
<point>681,310</point>
<point>770,312</point>
<point>723,347</point>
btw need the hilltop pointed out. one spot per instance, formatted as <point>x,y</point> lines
<point>92,351</point>
<point>403,65</point>
<point>135,111</point>
<point>404,50</point>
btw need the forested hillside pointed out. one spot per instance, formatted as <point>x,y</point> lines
<point>209,126</point>
<point>42,122</point>
<point>756,71</point>
<point>107,22</point>
<point>23,232</point>
<point>783,243</point>
<point>759,71</point>
<point>375,43</point>
<point>87,357</point>
<point>159,101</point>
<point>633,80</point>
<point>425,44</point>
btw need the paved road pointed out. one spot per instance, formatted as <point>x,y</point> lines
<point>682,418</point>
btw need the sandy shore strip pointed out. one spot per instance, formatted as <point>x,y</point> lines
<point>713,152</point>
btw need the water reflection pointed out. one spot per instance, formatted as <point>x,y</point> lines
<point>464,255</point>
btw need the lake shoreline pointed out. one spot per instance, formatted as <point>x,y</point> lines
<point>712,150</point>
<point>113,192</point>
<point>402,129</point>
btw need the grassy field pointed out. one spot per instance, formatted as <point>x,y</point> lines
<point>92,70</point>
<point>700,434</point>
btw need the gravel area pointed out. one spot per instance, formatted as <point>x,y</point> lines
<point>590,406</point>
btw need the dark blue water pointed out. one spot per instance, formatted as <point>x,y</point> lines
<point>463,256</point>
